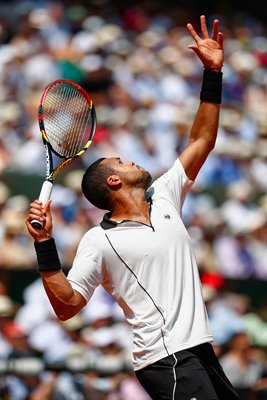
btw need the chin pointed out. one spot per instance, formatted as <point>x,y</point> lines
<point>146,179</point>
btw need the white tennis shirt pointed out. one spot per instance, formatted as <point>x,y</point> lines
<point>151,271</point>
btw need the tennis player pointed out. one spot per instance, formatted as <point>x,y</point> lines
<point>142,255</point>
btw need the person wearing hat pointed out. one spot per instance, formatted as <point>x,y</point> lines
<point>142,254</point>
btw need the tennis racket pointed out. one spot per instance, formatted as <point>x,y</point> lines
<point>67,121</point>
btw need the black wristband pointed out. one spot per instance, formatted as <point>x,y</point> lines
<point>211,90</point>
<point>47,256</point>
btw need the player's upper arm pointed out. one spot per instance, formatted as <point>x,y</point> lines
<point>194,156</point>
<point>68,311</point>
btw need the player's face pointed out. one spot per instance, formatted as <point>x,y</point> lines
<point>129,172</point>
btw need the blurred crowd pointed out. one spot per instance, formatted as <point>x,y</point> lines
<point>133,60</point>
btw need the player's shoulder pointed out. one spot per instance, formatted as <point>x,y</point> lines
<point>94,234</point>
<point>175,174</point>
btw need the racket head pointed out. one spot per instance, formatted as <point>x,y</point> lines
<point>67,118</point>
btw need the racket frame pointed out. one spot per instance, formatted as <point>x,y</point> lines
<point>52,173</point>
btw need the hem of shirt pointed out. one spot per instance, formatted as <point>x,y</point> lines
<point>181,168</point>
<point>206,339</point>
<point>79,289</point>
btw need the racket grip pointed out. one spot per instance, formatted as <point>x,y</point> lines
<point>46,192</point>
<point>44,197</point>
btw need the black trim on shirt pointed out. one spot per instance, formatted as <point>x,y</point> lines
<point>108,223</point>
<point>144,289</point>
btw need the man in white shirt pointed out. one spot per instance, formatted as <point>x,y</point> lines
<point>142,255</point>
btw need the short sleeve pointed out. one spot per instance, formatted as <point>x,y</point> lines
<point>173,185</point>
<point>86,272</point>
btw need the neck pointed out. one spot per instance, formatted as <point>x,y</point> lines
<point>133,206</point>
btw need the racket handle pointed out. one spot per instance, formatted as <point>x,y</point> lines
<point>46,192</point>
<point>44,197</point>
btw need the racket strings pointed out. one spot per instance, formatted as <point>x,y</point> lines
<point>67,118</point>
<point>83,120</point>
<point>76,133</point>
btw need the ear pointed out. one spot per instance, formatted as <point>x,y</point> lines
<point>113,181</point>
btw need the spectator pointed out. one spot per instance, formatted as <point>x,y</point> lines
<point>243,364</point>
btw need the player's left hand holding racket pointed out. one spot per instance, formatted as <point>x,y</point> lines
<point>67,121</point>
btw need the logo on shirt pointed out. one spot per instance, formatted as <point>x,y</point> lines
<point>167,216</point>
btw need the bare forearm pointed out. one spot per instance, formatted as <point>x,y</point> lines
<point>206,123</point>
<point>202,138</point>
<point>65,301</point>
<point>204,130</point>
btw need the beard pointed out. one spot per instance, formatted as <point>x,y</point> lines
<point>144,181</point>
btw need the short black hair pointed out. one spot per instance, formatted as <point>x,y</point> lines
<point>94,185</point>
